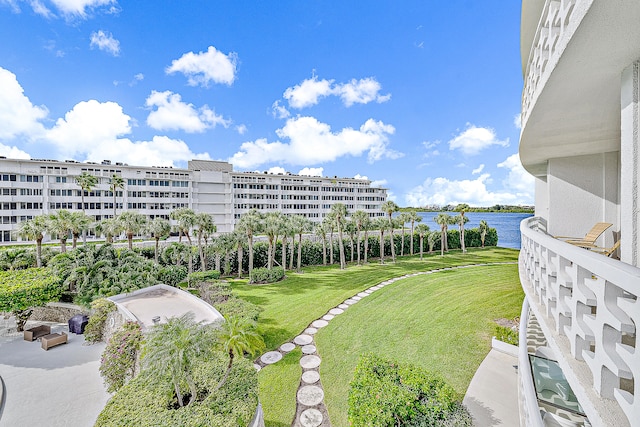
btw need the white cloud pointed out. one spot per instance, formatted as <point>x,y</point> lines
<point>517,121</point>
<point>137,78</point>
<point>518,180</point>
<point>105,41</point>
<point>279,111</point>
<point>475,139</point>
<point>358,176</point>
<point>477,170</point>
<point>205,67</point>
<point>12,4</point>
<point>313,142</point>
<point>308,92</point>
<point>18,116</point>
<point>241,129</point>
<point>173,114</point>
<point>79,7</point>
<point>361,91</point>
<point>379,183</point>
<point>276,170</point>
<point>311,172</point>
<point>40,9</point>
<point>13,152</point>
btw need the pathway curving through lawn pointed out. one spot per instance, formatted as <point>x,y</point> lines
<point>310,408</point>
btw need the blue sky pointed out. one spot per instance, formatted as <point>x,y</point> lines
<point>419,96</point>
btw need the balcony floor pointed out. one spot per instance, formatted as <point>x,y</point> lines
<point>492,396</point>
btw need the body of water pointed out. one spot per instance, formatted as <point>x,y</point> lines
<point>506,224</point>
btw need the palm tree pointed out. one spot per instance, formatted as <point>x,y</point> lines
<point>484,228</point>
<point>109,227</point>
<point>339,214</point>
<point>413,217</point>
<point>321,231</point>
<point>403,218</point>
<point>285,229</point>
<point>381,224</point>
<point>79,224</point>
<point>422,230</point>
<point>115,182</point>
<point>173,348</point>
<point>432,238</point>
<point>361,219</point>
<point>239,238</point>
<point>390,207</point>
<point>236,337</point>
<point>34,229</point>
<point>461,220</point>
<point>272,227</point>
<point>131,223</point>
<point>300,225</point>
<point>86,182</point>
<point>185,219</point>
<point>330,225</point>
<point>443,220</point>
<point>351,229</point>
<point>206,227</point>
<point>58,225</point>
<point>158,228</point>
<point>250,223</point>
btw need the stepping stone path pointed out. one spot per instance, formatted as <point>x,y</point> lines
<point>311,410</point>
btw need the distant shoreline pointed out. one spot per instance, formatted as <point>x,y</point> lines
<point>505,209</point>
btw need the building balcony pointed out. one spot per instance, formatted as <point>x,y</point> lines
<point>586,307</point>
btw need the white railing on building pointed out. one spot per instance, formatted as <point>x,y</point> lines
<point>587,306</point>
<point>556,26</point>
<point>527,397</point>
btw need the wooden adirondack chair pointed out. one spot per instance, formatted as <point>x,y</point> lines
<point>589,240</point>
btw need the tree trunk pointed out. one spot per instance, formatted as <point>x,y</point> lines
<point>284,252</point>
<point>393,247</point>
<point>270,255</point>
<point>239,261</point>
<point>291,249</point>
<point>299,252</point>
<point>402,244</point>
<point>412,236</point>
<point>250,255</point>
<point>358,239</point>
<point>39,253</point>
<point>421,245</point>
<point>21,318</point>
<point>331,248</point>
<point>324,252</point>
<point>178,394</point>
<point>226,373</point>
<point>156,252</point>
<point>443,240</point>
<point>343,261</point>
<point>130,239</point>
<point>351,239</point>
<point>366,245</point>
<point>381,247</point>
<point>63,245</point>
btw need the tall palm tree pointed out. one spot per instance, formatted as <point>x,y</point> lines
<point>109,227</point>
<point>413,218</point>
<point>236,337</point>
<point>321,231</point>
<point>185,220</point>
<point>443,220</point>
<point>330,225</point>
<point>390,207</point>
<point>432,238</point>
<point>158,228</point>
<point>206,227</point>
<point>381,224</point>
<point>239,238</point>
<point>34,229</point>
<point>250,223</point>
<point>59,224</point>
<point>403,218</point>
<point>285,230</point>
<point>79,225</point>
<point>300,225</point>
<point>461,220</point>
<point>86,182</point>
<point>132,223</point>
<point>361,219</point>
<point>272,227</point>
<point>115,182</point>
<point>352,230</point>
<point>339,214</point>
<point>173,348</point>
<point>422,230</point>
<point>484,228</point>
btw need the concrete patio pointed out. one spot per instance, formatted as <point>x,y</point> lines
<point>59,387</point>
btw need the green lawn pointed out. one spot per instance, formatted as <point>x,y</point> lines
<point>442,322</point>
<point>289,306</point>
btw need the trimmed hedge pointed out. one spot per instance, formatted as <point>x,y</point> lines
<point>385,393</point>
<point>149,402</point>
<point>197,277</point>
<point>220,295</point>
<point>264,275</point>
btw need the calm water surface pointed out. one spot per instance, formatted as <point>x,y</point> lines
<point>506,224</point>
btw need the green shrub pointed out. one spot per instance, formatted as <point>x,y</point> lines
<point>506,334</point>
<point>215,293</point>
<point>198,277</point>
<point>237,307</point>
<point>172,275</point>
<point>264,275</point>
<point>396,394</point>
<point>22,290</point>
<point>118,362</point>
<point>149,400</point>
<point>100,309</point>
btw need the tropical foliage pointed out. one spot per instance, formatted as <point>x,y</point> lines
<point>120,357</point>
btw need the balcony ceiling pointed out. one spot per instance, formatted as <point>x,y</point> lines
<point>578,110</point>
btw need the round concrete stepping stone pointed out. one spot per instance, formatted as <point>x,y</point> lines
<point>319,324</point>
<point>309,349</point>
<point>311,418</point>
<point>310,395</point>
<point>310,361</point>
<point>336,311</point>
<point>287,346</point>
<point>271,357</point>
<point>356,298</point>
<point>303,339</point>
<point>350,301</point>
<point>343,306</point>
<point>310,331</point>
<point>257,367</point>
<point>328,317</point>
<point>310,377</point>
<point>363,294</point>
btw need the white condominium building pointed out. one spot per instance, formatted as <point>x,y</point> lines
<point>34,187</point>
<point>579,350</point>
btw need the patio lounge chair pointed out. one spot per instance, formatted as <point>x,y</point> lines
<point>605,251</point>
<point>589,240</point>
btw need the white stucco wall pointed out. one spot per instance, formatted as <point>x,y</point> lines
<point>581,191</point>
<point>542,197</point>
